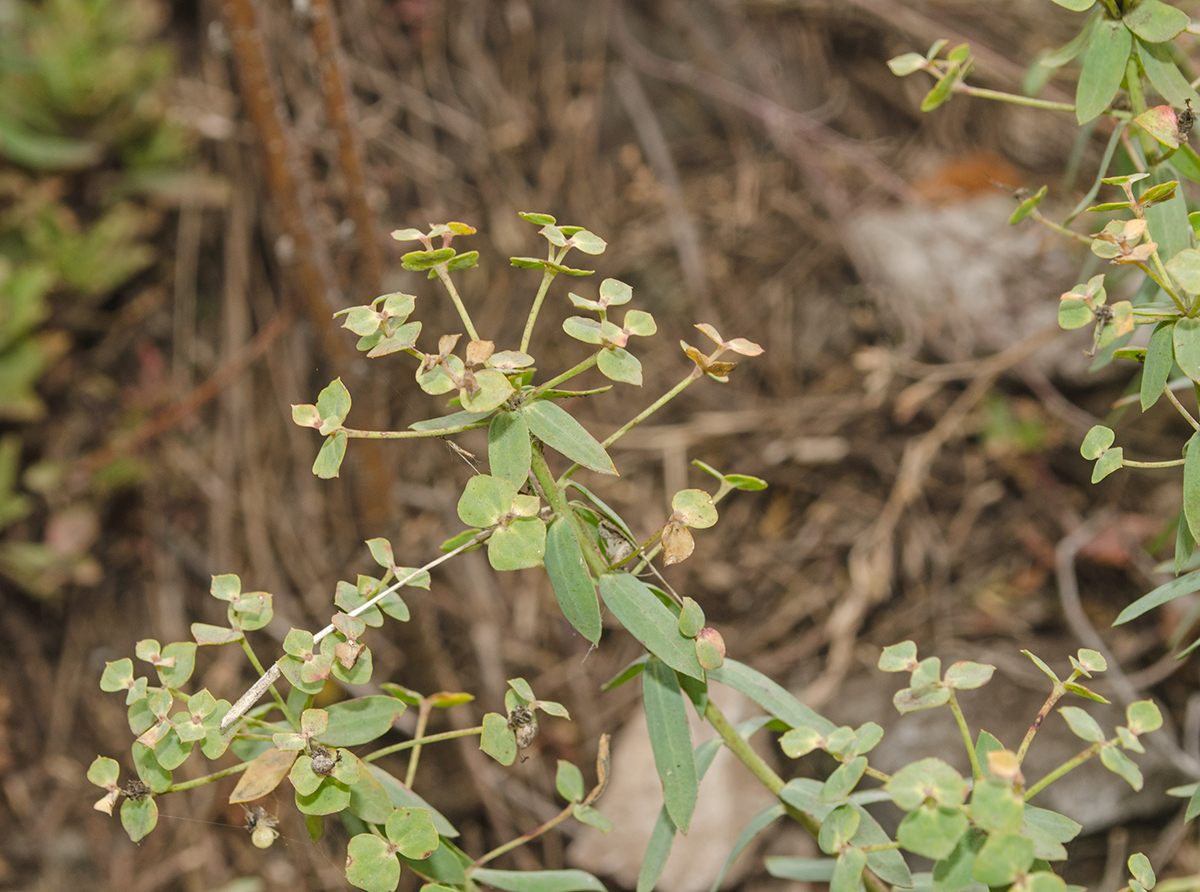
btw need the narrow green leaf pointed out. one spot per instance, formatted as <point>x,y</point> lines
<point>650,622</point>
<point>538,880</point>
<point>658,849</point>
<point>1064,54</point>
<point>942,90</point>
<point>555,427</point>
<point>671,741</point>
<point>757,825</point>
<point>1191,484</point>
<point>1185,544</point>
<point>1164,74</point>
<point>573,585</point>
<point>770,696</point>
<point>1025,208</point>
<point>1103,68</point>
<point>1177,588</point>
<point>1160,359</point>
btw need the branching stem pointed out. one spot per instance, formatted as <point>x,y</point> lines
<point>443,274</point>
<point>420,741</point>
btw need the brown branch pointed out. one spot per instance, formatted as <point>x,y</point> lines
<point>335,88</point>
<point>291,196</point>
<point>287,183</point>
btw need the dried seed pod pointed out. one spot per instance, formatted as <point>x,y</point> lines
<point>260,824</point>
<point>136,790</point>
<point>323,759</point>
<point>523,723</point>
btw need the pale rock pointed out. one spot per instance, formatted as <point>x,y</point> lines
<point>729,797</point>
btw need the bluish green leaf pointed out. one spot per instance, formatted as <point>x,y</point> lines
<point>1187,584</point>
<point>573,585</point>
<point>650,622</point>
<point>139,817</point>
<point>1103,68</point>
<point>371,864</point>
<point>555,427</point>
<point>757,825</point>
<point>671,741</point>
<point>770,696</point>
<point>1191,482</point>
<point>618,364</point>
<point>1164,74</point>
<point>402,797</point>
<point>538,880</point>
<point>329,459</point>
<point>1155,22</point>
<point>518,545</point>
<point>497,739</point>
<point>847,872</point>
<point>1160,359</point>
<point>359,721</point>
<point>508,448</point>
<point>1002,857</point>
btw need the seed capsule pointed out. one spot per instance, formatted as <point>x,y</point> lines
<point>524,724</point>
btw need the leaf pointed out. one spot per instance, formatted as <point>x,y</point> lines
<point>671,741</point>
<point>618,364</point>
<point>847,871</point>
<point>371,864</point>
<point>359,721</point>
<point>1160,359</point>
<point>1082,725</point>
<point>1002,857</point>
<point>573,585</point>
<point>418,261</point>
<point>139,817</point>
<point>333,404</point>
<point>1155,22</point>
<point>1164,74</point>
<point>757,824</point>
<point>1064,54</point>
<point>264,775</point>
<point>1191,484</point>
<point>965,675</point>
<point>568,780</point>
<point>1187,584</point>
<point>1096,442</point>
<point>1108,463</point>
<point>485,500</point>
<point>412,830</point>
<point>519,545</point>
<point>942,90</point>
<point>650,622</point>
<point>497,739</point>
<point>329,459</point>
<point>695,508</point>
<point>538,880</point>
<point>905,64</point>
<point>770,696</point>
<point>1025,208</point>
<point>1103,68</point>
<point>927,779</point>
<point>555,427</point>
<point>402,797</point>
<point>804,870</point>
<point>508,448</point>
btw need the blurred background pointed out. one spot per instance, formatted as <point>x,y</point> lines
<point>166,291</point>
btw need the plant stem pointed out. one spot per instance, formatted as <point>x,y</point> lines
<point>547,277</point>
<point>1055,696</point>
<point>444,275</point>
<point>568,374</point>
<point>1061,230</point>
<point>558,501</point>
<point>521,840</point>
<point>976,769</point>
<point>772,781</point>
<point>1130,463</point>
<point>1015,99</point>
<point>432,738</point>
<point>1182,411</point>
<point>638,419</point>
<point>207,779</point>
<point>275,695</point>
<point>422,720</point>
<point>412,435</point>
<point>1069,765</point>
<point>1161,282</point>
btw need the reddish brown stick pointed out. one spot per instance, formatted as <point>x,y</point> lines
<point>338,104</point>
